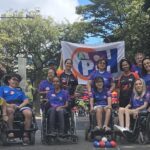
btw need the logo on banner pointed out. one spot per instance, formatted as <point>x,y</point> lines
<point>85,60</point>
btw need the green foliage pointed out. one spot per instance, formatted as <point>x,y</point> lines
<point>36,36</point>
<point>116,20</point>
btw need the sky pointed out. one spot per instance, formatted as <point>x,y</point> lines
<point>59,10</point>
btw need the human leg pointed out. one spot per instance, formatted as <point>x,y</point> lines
<point>121,114</point>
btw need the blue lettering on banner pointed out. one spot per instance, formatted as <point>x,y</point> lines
<point>87,61</point>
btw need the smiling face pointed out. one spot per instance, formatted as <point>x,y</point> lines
<point>138,59</point>
<point>13,82</point>
<point>146,64</point>
<point>138,86</point>
<point>99,84</point>
<point>68,64</point>
<point>125,66</point>
<point>56,82</point>
<point>101,65</point>
<point>50,74</point>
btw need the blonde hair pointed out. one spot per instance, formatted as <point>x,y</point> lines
<point>136,95</point>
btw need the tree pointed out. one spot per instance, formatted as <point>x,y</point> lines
<point>115,20</point>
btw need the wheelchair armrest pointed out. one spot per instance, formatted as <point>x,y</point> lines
<point>143,113</point>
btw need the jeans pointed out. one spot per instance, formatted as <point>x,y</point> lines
<point>52,119</point>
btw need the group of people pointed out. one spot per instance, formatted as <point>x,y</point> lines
<point>133,88</point>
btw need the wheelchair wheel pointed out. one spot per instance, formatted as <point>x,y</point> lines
<point>148,126</point>
<point>3,134</point>
<point>43,133</point>
<point>32,138</point>
<point>142,138</point>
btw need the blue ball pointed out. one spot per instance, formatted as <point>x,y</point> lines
<point>96,144</point>
<point>108,144</point>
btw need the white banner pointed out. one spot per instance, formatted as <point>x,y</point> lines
<point>85,57</point>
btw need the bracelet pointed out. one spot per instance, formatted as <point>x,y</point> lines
<point>4,115</point>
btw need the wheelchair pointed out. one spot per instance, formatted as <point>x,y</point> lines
<point>18,129</point>
<point>70,127</point>
<point>91,134</point>
<point>140,128</point>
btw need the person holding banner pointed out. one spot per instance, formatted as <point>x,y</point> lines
<point>68,79</point>
<point>101,72</point>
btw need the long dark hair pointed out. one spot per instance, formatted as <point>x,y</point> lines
<point>144,71</point>
<point>125,60</point>
<point>96,80</point>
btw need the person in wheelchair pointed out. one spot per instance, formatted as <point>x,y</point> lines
<point>16,100</point>
<point>100,102</point>
<point>58,100</point>
<point>138,103</point>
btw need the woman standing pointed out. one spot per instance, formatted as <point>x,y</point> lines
<point>146,72</point>
<point>68,79</point>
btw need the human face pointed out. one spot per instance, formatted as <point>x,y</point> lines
<point>56,82</point>
<point>125,66</point>
<point>102,65</point>
<point>50,74</point>
<point>139,86</point>
<point>13,82</point>
<point>138,59</point>
<point>99,84</point>
<point>146,64</point>
<point>68,65</point>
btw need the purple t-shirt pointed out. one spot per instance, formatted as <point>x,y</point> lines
<point>105,75</point>
<point>146,78</point>
<point>136,69</point>
<point>100,97</point>
<point>58,99</point>
<point>138,102</point>
<point>45,85</point>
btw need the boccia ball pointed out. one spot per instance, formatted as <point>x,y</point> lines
<point>101,144</point>
<point>96,144</point>
<point>113,143</point>
<point>108,144</point>
<point>104,139</point>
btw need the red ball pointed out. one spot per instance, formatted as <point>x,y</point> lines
<point>113,143</point>
<point>101,144</point>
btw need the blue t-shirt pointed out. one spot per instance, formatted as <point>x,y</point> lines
<point>100,97</point>
<point>137,70</point>
<point>12,95</point>
<point>105,75</point>
<point>138,102</point>
<point>58,99</point>
<point>146,78</point>
<point>45,85</point>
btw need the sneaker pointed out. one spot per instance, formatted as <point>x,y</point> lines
<point>127,130</point>
<point>119,128</point>
<point>97,128</point>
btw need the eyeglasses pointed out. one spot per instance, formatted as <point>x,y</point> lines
<point>102,62</point>
<point>15,79</point>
